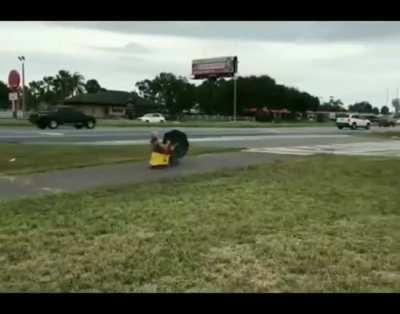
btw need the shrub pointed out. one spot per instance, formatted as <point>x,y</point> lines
<point>263,117</point>
<point>322,117</point>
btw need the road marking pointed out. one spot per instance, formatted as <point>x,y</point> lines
<point>386,148</point>
<point>212,139</point>
<point>51,133</point>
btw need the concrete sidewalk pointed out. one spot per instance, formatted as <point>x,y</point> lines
<point>70,180</point>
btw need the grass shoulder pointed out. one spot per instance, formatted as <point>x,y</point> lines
<point>325,223</point>
<point>18,159</point>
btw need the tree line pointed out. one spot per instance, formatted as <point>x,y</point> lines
<point>176,95</point>
<point>52,90</point>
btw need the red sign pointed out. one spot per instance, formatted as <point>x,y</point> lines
<point>14,79</point>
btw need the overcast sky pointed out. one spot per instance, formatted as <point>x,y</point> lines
<point>353,61</point>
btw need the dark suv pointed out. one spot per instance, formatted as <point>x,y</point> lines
<point>387,121</point>
<point>62,115</point>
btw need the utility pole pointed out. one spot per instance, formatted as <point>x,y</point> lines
<point>387,97</point>
<point>22,59</point>
<point>234,97</point>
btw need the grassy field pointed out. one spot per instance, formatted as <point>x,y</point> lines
<point>317,224</point>
<point>40,158</point>
<point>203,124</point>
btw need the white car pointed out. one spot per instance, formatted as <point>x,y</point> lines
<point>353,121</point>
<point>152,118</point>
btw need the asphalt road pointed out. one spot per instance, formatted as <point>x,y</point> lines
<point>269,145</point>
<point>228,137</point>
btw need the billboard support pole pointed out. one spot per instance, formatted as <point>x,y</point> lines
<point>234,97</point>
<point>13,109</point>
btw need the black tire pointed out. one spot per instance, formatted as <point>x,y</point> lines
<point>340,127</point>
<point>53,124</point>
<point>90,124</point>
<point>179,138</point>
<point>368,126</point>
<point>42,126</point>
<point>354,126</point>
<point>78,126</point>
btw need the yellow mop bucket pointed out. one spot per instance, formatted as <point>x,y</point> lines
<point>157,159</point>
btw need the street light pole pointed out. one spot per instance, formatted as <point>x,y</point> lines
<point>22,59</point>
<point>387,97</point>
<point>234,97</point>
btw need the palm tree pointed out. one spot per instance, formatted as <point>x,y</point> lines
<point>63,84</point>
<point>77,83</point>
<point>40,93</point>
<point>37,88</point>
<point>49,81</point>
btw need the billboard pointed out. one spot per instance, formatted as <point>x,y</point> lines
<point>214,67</point>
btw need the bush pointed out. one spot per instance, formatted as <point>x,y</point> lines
<point>322,117</point>
<point>263,117</point>
<point>293,116</point>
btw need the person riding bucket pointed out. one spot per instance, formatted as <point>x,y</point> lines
<point>173,147</point>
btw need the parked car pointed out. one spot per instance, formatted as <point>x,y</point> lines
<point>387,121</point>
<point>353,121</point>
<point>373,118</point>
<point>152,118</point>
<point>60,116</point>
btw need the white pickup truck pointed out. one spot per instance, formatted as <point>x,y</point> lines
<point>353,121</point>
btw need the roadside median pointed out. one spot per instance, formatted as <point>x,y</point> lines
<point>122,123</point>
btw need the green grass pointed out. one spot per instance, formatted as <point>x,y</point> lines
<point>202,124</point>
<point>14,122</point>
<point>41,158</point>
<point>318,224</point>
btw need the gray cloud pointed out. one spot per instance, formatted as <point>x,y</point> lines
<point>260,31</point>
<point>114,72</point>
<point>349,60</point>
<point>130,48</point>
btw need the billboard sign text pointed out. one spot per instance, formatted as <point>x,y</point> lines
<point>214,67</point>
